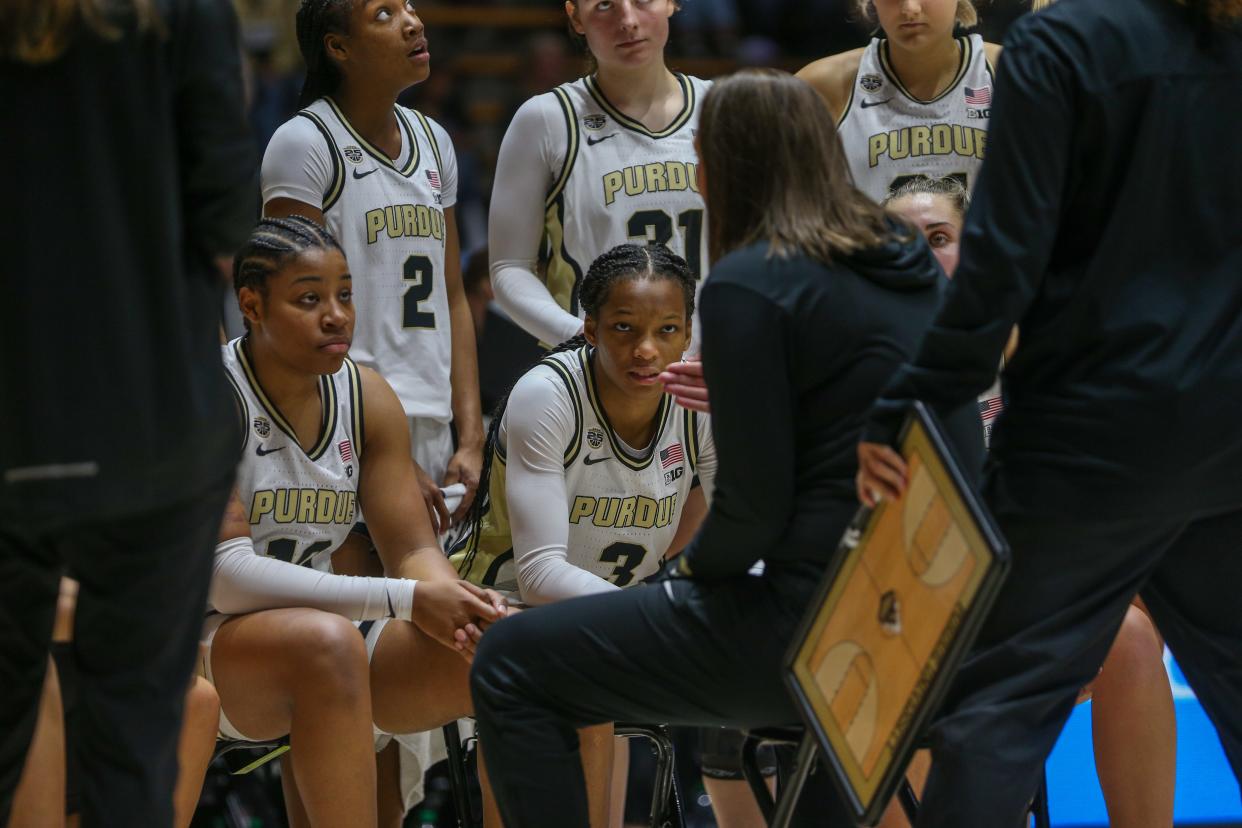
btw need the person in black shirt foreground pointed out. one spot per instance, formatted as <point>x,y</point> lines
<point>129,173</point>
<point>1107,224</point>
<point>815,298</point>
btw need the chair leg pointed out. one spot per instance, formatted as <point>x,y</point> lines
<point>1039,805</point>
<point>804,760</point>
<point>754,778</point>
<point>909,802</point>
<point>666,811</point>
<point>457,776</point>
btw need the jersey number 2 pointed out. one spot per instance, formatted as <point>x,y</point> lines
<point>419,271</point>
<point>656,226</point>
<point>627,557</point>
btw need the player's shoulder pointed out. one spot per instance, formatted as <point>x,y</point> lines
<point>438,133</point>
<point>992,51</point>
<point>833,76</point>
<point>302,133</point>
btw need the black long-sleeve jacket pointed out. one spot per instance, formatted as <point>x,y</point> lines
<point>794,352</point>
<point>1107,223</point>
<point>127,167</point>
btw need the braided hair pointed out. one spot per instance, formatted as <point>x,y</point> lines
<point>272,243</point>
<point>315,20</point>
<point>625,262</point>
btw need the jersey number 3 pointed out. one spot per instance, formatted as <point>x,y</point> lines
<point>419,271</point>
<point>627,557</point>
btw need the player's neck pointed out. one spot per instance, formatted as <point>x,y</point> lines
<point>293,391</point>
<point>371,115</point>
<point>632,418</point>
<point>926,73</point>
<point>649,94</point>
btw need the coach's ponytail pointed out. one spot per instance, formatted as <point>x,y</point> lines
<point>315,20</point>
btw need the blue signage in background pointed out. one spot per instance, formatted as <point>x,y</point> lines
<point>1206,791</point>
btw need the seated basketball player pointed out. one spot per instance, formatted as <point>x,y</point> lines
<point>588,432</point>
<point>814,299</point>
<point>1132,714</point>
<point>325,441</point>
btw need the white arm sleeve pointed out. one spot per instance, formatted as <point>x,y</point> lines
<point>448,165</point>
<point>538,424</point>
<point>531,157</point>
<point>298,164</point>
<point>706,466</point>
<point>244,581</point>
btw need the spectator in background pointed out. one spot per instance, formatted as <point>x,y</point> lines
<point>117,454</point>
<point>505,350</point>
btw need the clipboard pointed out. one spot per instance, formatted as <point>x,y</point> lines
<point>899,607</point>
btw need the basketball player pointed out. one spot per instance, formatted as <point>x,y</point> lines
<point>383,179</point>
<point>595,163</point>
<point>1114,469</point>
<point>1132,716</point>
<point>325,441</point>
<point>813,299</point>
<point>589,433</point>
<point>914,101</point>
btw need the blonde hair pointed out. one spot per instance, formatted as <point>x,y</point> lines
<point>967,14</point>
<point>39,31</point>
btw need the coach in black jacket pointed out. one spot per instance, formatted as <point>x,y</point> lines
<point>128,170</point>
<point>1107,223</point>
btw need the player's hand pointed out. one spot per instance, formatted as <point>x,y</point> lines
<point>434,498</point>
<point>464,467</point>
<point>684,380</point>
<point>881,473</point>
<point>442,608</point>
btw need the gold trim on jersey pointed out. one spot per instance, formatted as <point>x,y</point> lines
<point>337,186</point>
<point>571,145</point>
<point>690,427</point>
<point>431,139</point>
<point>967,50</point>
<point>493,535</point>
<point>562,274</point>
<point>623,457</point>
<point>850,103</point>
<point>687,108</point>
<point>327,402</point>
<point>377,154</point>
<point>355,405</point>
<point>575,442</point>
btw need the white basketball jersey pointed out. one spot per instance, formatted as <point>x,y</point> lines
<point>300,504</point>
<point>388,217</point>
<point>623,509</point>
<point>890,136</point>
<point>621,182</point>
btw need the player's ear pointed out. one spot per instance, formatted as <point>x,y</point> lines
<point>334,47</point>
<point>589,330</point>
<point>250,302</point>
<point>571,9</point>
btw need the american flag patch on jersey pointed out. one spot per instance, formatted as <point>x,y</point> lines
<point>434,178</point>
<point>671,456</point>
<point>346,450</point>
<point>989,408</point>
<point>978,97</point>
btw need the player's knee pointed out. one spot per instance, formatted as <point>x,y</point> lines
<point>490,671</point>
<point>331,655</point>
<point>1137,648</point>
<point>202,704</point>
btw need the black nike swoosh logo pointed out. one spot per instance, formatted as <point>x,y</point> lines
<point>593,141</point>
<point>865,105</point>
<point>365,174</point>
<point>591,461</point>
<point>259,450</point>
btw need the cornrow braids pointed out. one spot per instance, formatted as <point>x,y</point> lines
<point>634,261</point>
<point>272,243</point>
<point>315,20</point>
<point>625,261</point>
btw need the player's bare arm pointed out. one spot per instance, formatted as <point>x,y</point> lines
<point>832,77</point>
<point>466,464</point>
<point>284,207</point>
